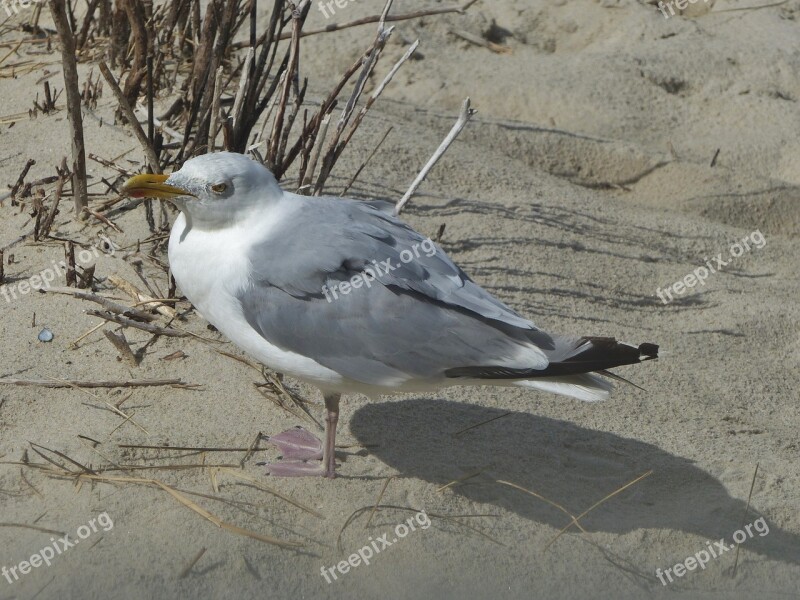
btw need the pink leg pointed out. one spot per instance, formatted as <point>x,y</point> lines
<point>299,445</point>
<point>331,420</point>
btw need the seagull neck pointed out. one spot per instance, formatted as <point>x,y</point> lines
<point>215,218</point>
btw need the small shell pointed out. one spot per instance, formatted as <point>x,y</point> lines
<point>45,335</point>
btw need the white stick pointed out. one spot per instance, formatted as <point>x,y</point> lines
<point>384,14</point>
<point>366,71</point>
<point>312,166</point>
<point>237,104</point>
<point>215,110</point>
<point>386,80</point>
<point>142,112</point>
<point>463,119</point>
<point>268,114</point>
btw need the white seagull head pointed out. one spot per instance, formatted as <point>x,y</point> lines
<point>213,190</point>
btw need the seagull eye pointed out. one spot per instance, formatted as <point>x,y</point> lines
<point>219,188</point>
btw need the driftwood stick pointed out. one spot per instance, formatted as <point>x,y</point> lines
<point>111,165</point>
<point>364,164</point>
<point>278,124</point>
<point>380,18</point>
<point>386,80</point>
<point>71,275</point>
<point>69,62</point>
<point>51,383</point>
<point>122,346</point>
<point>368,63</point>
<point>312,166</point>
<point>137,295</point>
<point>215,109</point>
<point>375,95</point>
<point>62,179</point>
<point>463,119</point>
<point>142,112</point>
<point>125,321</point>
<point>243,86</point>
<point>131,117</point>
<point>369,66</point>
<point>21,179</point>
<point>479,41</point>
<point>135,15</point>
<point>186,448</point>
<point>125,311</point>
<point>104,219</point>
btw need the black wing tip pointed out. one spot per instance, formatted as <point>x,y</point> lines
<point>621,354</point>
<point>648,351</point>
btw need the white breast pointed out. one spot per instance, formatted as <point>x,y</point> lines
<point>211,268</point>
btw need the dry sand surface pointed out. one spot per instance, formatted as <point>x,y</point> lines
<point>584,185</point>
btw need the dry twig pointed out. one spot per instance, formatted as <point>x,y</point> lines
<point>51,383</point>
<point>79,186</point>
<point>463,119</point>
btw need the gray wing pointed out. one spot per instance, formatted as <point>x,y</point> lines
<point>421,318</point>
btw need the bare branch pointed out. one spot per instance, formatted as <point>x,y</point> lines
<point>463,119</point>
<point>69,62</point>
<point>131,117</point>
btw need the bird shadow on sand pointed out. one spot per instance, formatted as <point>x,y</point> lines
<point>570,465</point>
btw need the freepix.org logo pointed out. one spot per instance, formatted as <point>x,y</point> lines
<point>12,7</point>
<point>57,547</point>
<point>701,558</point>
<point>45,278</point>
<point>367,552</point>
<point>376,270</point>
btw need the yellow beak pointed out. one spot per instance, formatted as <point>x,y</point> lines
<point>151,186</point>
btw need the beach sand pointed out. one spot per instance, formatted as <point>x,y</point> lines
<point>583,186</point>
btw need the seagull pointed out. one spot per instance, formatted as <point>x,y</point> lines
<point>342,294</point>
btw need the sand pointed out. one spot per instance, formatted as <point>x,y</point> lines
<point>582,187</point>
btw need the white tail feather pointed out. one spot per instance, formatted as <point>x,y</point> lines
<point>586,387</point>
